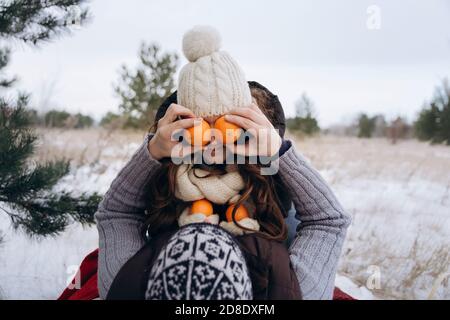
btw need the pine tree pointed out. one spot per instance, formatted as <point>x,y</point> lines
<point>35,21</point>
<point>427,123</point>
<point>366,126</point>
<point>26,188</point>
<point>142,91</point>
<point>305,118</point>
<point>433,122</point>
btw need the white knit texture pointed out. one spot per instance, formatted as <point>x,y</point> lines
<point>233,228</point>
<point>195,184</point>
<point>187,218</point>
<point>213,83</point>
<point>200,41</point>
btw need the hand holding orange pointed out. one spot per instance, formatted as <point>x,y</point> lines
<point>200,135</point>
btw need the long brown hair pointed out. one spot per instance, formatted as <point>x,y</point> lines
<point>164,208</point>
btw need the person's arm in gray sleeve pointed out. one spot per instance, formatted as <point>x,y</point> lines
<point>317,246</point>
<point>120,216</point>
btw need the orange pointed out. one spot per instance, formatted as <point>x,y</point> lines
<point>202,206</point>
<point>241,213</point>
<point>229,131</point>
<point>200,134</point>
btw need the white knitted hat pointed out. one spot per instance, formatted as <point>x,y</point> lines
<point>212,83</point>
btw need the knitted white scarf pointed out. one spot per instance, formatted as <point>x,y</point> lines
<point>195,184</point>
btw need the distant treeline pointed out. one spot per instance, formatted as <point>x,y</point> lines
<point>365,126</point>
<point>60,119</point>
<point>431,124</point>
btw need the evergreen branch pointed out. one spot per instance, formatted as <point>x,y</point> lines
<point>29,184</point>
<point>4,61</point>
<point>35,21</point>
<point>23,189</point>
<point>51,214</point>
<point>16,139</point>
<point>26,190</point>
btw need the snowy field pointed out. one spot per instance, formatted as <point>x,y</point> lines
<point>398,195</point>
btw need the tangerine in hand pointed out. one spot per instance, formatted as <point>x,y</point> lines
<point>241,213</point>
<point>229,131</point>
<point>200,134</point>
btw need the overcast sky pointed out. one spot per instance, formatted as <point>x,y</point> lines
<point>345,57</point>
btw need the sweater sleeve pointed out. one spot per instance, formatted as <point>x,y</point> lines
<point>316,249</point>
<point>120,216</point>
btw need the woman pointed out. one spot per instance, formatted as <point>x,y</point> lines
<point>212,85</point>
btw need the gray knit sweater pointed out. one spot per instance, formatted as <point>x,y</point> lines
<point>314,252</point>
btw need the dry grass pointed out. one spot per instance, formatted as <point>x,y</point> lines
<point>87,147</point>
<point>373,158</point>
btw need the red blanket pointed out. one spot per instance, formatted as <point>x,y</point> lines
<point>86,278</point>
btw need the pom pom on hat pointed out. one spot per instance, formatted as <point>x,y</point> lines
<point>200,41</point>
<point>212,83</point>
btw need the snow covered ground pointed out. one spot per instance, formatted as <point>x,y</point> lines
<point>398,195</point>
